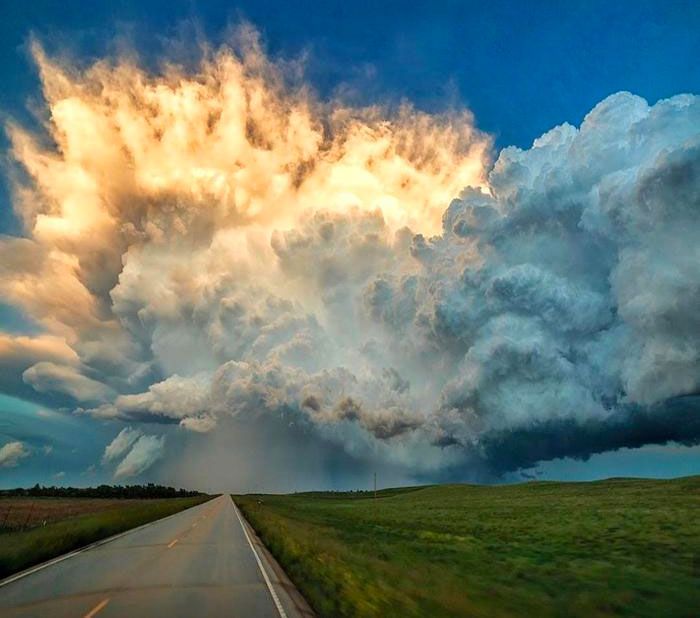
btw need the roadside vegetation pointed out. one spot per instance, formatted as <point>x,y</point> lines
<point>150,490</point>
<point>620,547</point>
<point>33,530</point>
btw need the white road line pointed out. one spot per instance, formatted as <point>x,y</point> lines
<point>39,567</point>
<point>275,598</point>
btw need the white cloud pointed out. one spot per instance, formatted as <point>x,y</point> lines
<point>49,377</point>
<point>11,453</point>
<point>121,443</point>
<point>143,454</point>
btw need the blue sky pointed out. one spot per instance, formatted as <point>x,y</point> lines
<point>520,67</point>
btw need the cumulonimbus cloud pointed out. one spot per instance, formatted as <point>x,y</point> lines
<point>219,242</point>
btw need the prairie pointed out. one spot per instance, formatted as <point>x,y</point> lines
<point>620,547</point>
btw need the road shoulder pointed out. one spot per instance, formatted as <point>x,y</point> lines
<point>293,602</point>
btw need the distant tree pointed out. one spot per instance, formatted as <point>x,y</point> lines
<point>103,491</point>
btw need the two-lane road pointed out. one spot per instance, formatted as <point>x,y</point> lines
<point>195,563</point>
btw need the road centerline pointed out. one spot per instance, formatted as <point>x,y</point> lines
<point>98,608</point>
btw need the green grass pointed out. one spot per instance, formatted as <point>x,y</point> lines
<point>20,550</point>
<point>619,547</point>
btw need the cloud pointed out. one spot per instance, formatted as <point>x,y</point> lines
<point>200,424</point>
<point>20,352</point>
<point>46,377</point>
<point>383,424</point>
<point>121,444</point>
<point>579,318</point>
<point>168,401</point>
<point>11,453</point>
<point>143,454</point>
<point>215,247</point>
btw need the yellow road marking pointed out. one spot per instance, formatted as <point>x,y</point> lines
<point>98,608</point>
<point>172,543</point>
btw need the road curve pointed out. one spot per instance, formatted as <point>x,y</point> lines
<point>195,563</point>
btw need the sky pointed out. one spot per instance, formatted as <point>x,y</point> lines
<point>279,246</point>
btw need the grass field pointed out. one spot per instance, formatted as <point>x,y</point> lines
<point>74,523</point>
<point>22,513</point>
<point>610,548</point>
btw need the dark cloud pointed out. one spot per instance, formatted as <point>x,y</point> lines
<point>676,420</point>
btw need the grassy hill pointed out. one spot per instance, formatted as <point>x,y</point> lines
<point>621,547</point>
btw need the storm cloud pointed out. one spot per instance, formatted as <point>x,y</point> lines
<point>217,248</point>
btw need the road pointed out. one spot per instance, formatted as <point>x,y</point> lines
<point>195,563</point>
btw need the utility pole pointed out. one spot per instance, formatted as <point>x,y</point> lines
<point>375,485</point>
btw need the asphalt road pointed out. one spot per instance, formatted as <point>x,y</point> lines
<point>195,563</point>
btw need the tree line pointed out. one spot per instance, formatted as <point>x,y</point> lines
<point>102,491</point>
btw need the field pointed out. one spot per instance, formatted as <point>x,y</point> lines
<point>619,547</point>
<point>21,513</point>
<point>70,523</point>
